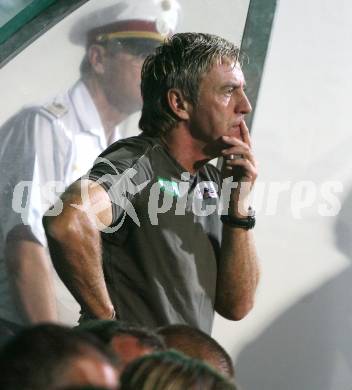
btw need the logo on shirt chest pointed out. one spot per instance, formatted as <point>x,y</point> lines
<point>206,190</point>
<point>170,187</point>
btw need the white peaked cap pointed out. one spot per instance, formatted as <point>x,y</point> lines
<point>148,19</point>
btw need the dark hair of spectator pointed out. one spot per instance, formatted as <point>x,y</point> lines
<point>106,330</point>
<point>197,344</point>
<point>179,63</point>
<point>84,388</point>
<point>37,356</point>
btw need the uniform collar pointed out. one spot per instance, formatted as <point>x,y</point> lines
<point>87,112</point>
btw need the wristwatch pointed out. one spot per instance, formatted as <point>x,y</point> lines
<point>243,223</point>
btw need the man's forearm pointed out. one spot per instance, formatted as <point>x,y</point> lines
<point>238,274</point>
<point>75,248</point>
<point>31,279</point>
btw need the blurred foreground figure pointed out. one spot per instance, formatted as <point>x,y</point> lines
<point>45,148</point>
<point>127,342</point>
<point>140,237</point>
<point>197,344</point>
<point>48,357</point>
<point>171,370</point>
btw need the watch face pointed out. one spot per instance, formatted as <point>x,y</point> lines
<point>251,212</point>
<point>251,223</point>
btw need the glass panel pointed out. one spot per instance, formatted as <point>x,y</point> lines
<point>49,112</point>
<point>298,336</point>
<point>10,8</point>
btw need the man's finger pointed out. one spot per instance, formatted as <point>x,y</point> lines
<point>236,153</point>
<point>249,167</point>
<point>245,133</point>
<point>233,141</point>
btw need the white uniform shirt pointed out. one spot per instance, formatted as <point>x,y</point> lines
<point>56,143</point>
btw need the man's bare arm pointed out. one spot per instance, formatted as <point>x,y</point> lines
<point>238,274</point>
<point>75,246</point>
<point>31,276</point>
<point>238,270</point>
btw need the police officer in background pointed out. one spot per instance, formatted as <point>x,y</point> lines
<point>47,147</point>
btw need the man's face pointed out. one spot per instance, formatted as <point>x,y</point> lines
<point>121,81</point>
<point>222,104</point>
<point>89,368</point>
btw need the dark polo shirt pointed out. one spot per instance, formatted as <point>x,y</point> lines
<point>160,254</point>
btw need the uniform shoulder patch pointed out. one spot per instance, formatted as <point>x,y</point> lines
<point>57,109</point>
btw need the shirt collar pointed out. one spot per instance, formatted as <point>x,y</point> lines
<point>86,112</point>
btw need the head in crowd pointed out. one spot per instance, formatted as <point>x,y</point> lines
<point>117,40</point>
<point>171,370</point>
<point>197,344</point>
<point>181,63</point>
<point>47,356</point>
<point>128,342</point>
<point>5,333</point>
<point>84,388</point>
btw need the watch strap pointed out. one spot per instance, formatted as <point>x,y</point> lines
<point>243,223</point>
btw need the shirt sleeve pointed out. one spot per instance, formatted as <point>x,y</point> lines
<point>31,171</point>
<point>121,181</point>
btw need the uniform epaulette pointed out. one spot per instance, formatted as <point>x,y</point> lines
<point>56,109</point>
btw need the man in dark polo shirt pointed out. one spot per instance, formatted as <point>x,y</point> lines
<point>142,236</point>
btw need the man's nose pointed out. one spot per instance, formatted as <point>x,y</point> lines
<point>245,105</point>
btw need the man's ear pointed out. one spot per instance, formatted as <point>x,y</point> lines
<point>96,56</point>
<point>178,104</point>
